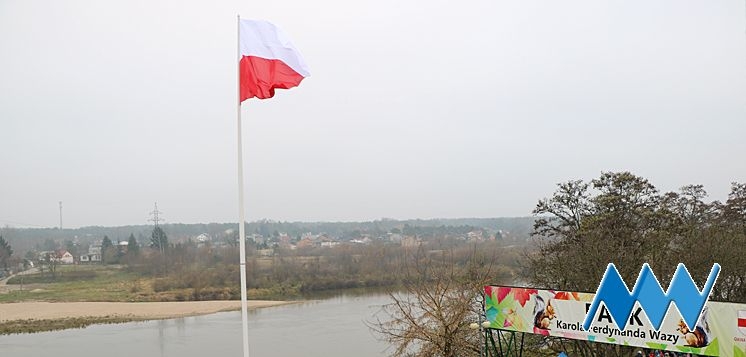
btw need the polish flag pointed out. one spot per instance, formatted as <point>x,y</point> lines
<point>268,60</point>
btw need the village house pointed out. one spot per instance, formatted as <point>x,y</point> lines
<point>61,256</point>
<point>93,255</point>
<point>64,257</point>
<point>305,243</point>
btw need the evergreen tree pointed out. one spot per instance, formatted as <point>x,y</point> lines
<point>106,246</point>
<point>132,248</point>
<point>5,252</point>
<point>158,239</point>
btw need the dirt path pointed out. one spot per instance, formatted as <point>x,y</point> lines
<point>4,287</point>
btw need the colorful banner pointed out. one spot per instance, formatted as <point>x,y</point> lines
<point>720,330</point>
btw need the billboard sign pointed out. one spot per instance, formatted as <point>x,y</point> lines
<point>718,330</point>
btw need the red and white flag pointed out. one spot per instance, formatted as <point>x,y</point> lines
<point>268,60</point>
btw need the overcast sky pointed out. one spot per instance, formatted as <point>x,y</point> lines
<point>414,109</point>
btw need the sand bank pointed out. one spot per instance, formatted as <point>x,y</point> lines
<point>133,310</point>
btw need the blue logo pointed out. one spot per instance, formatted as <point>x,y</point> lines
<point>619,301</point>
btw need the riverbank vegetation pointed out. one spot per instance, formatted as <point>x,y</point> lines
<point>179,262</point>
<point>33,325</point>
<point>188,272</point>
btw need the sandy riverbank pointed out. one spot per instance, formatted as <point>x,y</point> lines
<point>127,310</point>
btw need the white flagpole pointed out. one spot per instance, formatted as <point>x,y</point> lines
<point>241,211</point>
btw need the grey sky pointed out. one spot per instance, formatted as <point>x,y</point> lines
<point>415,109</point>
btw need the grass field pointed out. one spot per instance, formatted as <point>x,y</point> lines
<point>84,283</point>
<point>113,283</point>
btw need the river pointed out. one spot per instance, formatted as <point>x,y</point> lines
<point>330,327</point>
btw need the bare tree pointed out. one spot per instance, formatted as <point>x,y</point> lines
<point>50,260</point>
<point>430,316</point>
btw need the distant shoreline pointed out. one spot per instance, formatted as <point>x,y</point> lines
<point>30,317</point>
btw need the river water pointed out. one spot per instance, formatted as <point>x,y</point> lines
<point>330,327</point>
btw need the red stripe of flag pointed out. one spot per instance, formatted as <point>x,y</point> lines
<point>260,77</point>
<point>742,322</point>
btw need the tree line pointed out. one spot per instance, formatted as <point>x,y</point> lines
<point>41,239</point>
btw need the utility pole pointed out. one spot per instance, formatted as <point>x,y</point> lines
<point>60,215</point>
<point>156,219</point>
<point>155,213</point>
